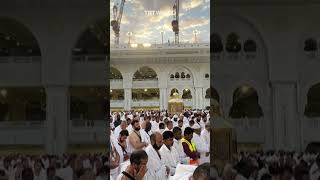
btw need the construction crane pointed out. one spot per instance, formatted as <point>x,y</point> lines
<point>175,21</point>
<point>115,23</point>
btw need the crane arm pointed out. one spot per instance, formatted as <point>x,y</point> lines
<point>121,11</point>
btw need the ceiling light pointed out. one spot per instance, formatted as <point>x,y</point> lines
<point>146,45</point>
<point>134,45</point>
<point>4,92</point>
<point>145,90</point>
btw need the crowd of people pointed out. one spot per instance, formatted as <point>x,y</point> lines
<point>159,145</point>
<point>272,165</point>
<point>52,167</point>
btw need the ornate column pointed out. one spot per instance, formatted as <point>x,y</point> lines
<point>57,119</point>
<point>199,100</point>
<point>285,121</point>
<point>127,98</point>
<point>127,86</point>
<point>163,98</point>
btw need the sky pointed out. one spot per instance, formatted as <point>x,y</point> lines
<point>194,15</point>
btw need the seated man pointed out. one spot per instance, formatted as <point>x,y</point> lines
<point>137,168</point>
<point>188,147</point>
<point>168,153</point>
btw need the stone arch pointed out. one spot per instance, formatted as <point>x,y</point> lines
<point>17,39</point>
<point>145,72</point>
<point>94,39</point>
<point>115,73</point>
<point>173,90</point>
<point>179,70</point>
<point>249,30</point>
<point>245,103</point>
<point>312,108</point>
<point>186,93</point>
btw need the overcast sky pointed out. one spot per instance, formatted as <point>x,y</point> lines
<point>194,15</point>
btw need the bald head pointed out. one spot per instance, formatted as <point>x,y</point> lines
<point>156,140</point>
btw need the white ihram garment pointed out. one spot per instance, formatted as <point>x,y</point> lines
<point>201,147</point>
<point>155,164</point>
<point>170,158</point>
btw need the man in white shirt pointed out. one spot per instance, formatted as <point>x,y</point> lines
<point>118,129</point>
<point>169,154</point>
<point>155,164</point>
<point>177,144</point>
<point>315,169</point>
<point>202,147</point>
<point>205,134</point>
<point>169,126</point>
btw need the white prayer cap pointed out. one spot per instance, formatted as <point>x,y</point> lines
<point>196,126</point>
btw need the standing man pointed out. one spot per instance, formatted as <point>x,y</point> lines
<point>188,147</point>
<point>135,138</point>
<point>177,144</point>
<point>155,164</point>
<point>168,153</point>
<point>202,147</point>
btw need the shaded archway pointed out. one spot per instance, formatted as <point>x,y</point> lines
<point>186,94</point>
<point>312,108</point>
<point>174,90</point>
<point>94,40</point>
<point>115,73</point>
<point>145,73</point>
<point>16,39</point>
<point>245,103</point>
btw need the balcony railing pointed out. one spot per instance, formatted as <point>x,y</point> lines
<point>163,46</point>
<point>143,103</point>
<point>247,123</point>
<point>20,59</point>
<point>89,58</point>
<point>81,123</point>
<point>33,124</point>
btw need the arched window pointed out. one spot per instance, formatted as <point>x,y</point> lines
<point>115,73</point>
<point>145,73</point>
<point>188,76</point>
<point>245,103</point>
<point>233,45</point>
<point>206,75</point>
<point>93,40</point>
<point>186,94</point>
<point>177,75</point>
<point>16,39</point>
<point>174,90</point>
<point>171,76</point>
<point>250,46</point>
<point>183,75</point>
<point>312,108</point>
<point>216,43</point>
<point>310,45</point>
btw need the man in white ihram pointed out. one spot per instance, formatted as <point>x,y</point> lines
<point>168,153</point>
<point>202,147</point>
<point>155,165</point>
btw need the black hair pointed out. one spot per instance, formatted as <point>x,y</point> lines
<point>137,156</point>
<point>124,133</point>
<point>188,131</point>
<point>134,121</point>
<point>27,174</point>
<point>167,135</point>
<point>176,129</point>
<point>161,125</point>
<point>202,171</point>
